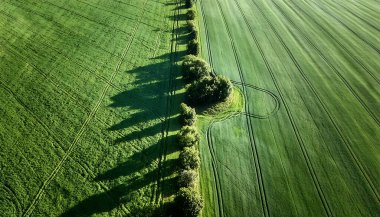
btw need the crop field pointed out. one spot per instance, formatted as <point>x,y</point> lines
<point>88,97</point>
<point>308,140</point>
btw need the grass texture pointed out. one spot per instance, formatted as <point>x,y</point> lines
<point>89,96</point>
<point>307,142</point>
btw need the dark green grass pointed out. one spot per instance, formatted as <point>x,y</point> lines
<point>87,121</point>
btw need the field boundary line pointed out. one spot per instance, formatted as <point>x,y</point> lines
<point>30,209</point>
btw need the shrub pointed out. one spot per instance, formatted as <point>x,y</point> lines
<point>193,47</point>
<point>188,115</point>
<point>209,90</point>
<point>188,136</point>
<point>191,14</point>
<point>194,68</point>
<point>187,178</point>
<point>189,158</point>
<point>189,202</point>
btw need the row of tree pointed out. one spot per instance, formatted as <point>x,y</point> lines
<point>188,200</point>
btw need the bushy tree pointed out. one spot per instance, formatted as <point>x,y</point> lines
<point>189,202</point>
<point>191,14</point>
<point>189,3</point>
<point>188,136</point>
<point>224,88</point>
<point>194,68</point>
<point>209,89</point>
<point>188,115</point>
<point>193,30</point>
<point>189,158</point>
<point>187,178</point>
<point>193,47</point>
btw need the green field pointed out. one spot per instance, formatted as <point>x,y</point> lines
<point>89,94</point>
<point>308,140</point>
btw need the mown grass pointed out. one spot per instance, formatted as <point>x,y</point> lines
<point>89,96</point>
<point>308,145</point>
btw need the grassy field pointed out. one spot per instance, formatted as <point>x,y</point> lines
<point>88,100</point>
<point>308,141</point>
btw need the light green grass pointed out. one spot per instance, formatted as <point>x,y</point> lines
<point>310,146</point>
<point>89,98</point>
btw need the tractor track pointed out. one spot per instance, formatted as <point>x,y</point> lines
<point>301,143</point>
<point>346,141</point>
<point>60,29</point>
<point>208,133</point>
<point>337,41</point>
<point>77,138</point>
<point>253,144</point>
<point>13,198</point>
<point>336,71</point>
<point>355,15</point>
<point>31,113</point>
<point>157,194</point>
<point>67,57</point>
<point>368,8</point>
<point>347,27</point>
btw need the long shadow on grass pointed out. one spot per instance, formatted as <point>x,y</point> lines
<point>144,103</point>
<point>120,194</point>
<point>135,177</point>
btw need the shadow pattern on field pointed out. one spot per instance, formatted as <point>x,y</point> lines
<point>148,96</point>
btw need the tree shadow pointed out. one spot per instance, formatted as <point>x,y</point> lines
<point>153,90</point>
<point>121,194</point>
<point>136,162</point>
